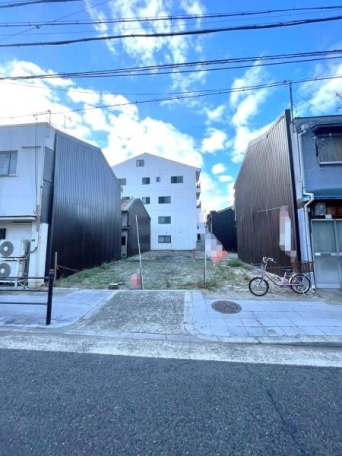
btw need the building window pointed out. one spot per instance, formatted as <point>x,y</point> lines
<point>8,162</point>
<point>145,180</point>
<point>157,179</point>
<point>329,148</point>
<point>176,179</point>
<point>145,199</point>
<point>164,239</point>
<point>164,199</point>
<point>164,220</point>
<point>140,163</point>
<point>122,181</point>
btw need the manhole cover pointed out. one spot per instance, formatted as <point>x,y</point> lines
<point>226,307</point>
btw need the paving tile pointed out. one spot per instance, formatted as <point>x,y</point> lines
<point>217,322</point>
<point>220,331</point>
<point>246,315</point>
<point>265,322</point>
<point>250,322</point>
<point>312,331</point>
<point>201,321</point>
<point>236,323</point>
<point>274,331</point>
<point>255,331</point>
<point>282,322</point>
<point>205,330</point>
<point>292,330</point>
<point>200,312</point>
<point>238,331</point>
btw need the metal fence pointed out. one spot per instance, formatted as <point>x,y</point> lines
<point>49,291</point>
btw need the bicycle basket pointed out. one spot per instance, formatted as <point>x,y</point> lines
<point>303,267</point>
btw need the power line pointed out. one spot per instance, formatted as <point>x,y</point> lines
<point>60,18</point>
<point>180,33</point>
<point>185,95</point>
<point>35,2</point>
<point>300,57</point>
<point>185,17</point>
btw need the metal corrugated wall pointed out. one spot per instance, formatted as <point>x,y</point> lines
<point>223,226</point>
<point>264,185</point>
<point>86,211</point>
<point>144,223</point>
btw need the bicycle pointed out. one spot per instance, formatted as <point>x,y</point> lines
<point>298,282</point>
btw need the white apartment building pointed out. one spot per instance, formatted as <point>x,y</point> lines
<point>170,192</point>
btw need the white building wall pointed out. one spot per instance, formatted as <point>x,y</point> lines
<point>182,209</point>
<point>21,193</point>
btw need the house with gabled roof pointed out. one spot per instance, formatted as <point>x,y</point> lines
<point>136,228</point>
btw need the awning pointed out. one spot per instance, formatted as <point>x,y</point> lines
<point>20,218</point>
<point>328,193</point>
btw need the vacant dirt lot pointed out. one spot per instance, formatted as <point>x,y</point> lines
<point>176,270</point>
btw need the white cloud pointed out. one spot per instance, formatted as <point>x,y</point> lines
<point>84,96</point>
<point>127,134</point>
<point>215,141</point>
<point>214,196</point>
<point>216,114</point>
<point>243,135</point>
<point>120,130</point>
<point>319,97</point>
<point>219,168</point>
<point>152,50</point>
<point>252,77</point>
<point>119,104</point>
<point>249,107</point>
<point>225,178</point>
<point>245,106</point>
<point>129,137</point>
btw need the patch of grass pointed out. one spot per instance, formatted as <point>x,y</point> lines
<point>98,277</point>
<point>161,274</point>
<point>235,263</point>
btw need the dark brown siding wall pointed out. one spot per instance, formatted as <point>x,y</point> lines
<point>144,223</point>
<point>86,212</point>
<point>223,226</point>
<point>264,185</point>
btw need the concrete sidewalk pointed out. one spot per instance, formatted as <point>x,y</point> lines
<point>297,321</point>
<point>176,315</point>
<point>68,306</point>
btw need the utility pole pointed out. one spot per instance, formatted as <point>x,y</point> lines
<point>291,105</point>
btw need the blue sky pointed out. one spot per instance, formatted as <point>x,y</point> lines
<point>204,117</point>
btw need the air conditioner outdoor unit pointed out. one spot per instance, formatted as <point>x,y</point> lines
<point>319,209</point>
<point>12,269</point>
<point>15,248</point>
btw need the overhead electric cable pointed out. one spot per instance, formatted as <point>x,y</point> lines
<point>300,57</point>
<point>180,33</point>
<point>184,96</point>
<point>175,17</point>
<point>51,22</point>
<point>35,2</point>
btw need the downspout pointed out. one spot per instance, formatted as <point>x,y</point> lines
<point>307,204</point>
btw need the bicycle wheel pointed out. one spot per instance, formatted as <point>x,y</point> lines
<point>258,286</point>
<point>300,283</point>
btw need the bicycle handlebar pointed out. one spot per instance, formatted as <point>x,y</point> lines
<point>265,260</point>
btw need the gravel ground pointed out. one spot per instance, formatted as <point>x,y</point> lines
<point>177,270</point>
<point>157,312</point>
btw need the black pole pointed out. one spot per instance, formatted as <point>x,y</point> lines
<point>49,301</point>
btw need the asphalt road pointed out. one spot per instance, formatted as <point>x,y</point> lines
<point>87,404</point>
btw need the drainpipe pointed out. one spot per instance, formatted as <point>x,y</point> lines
<point>307,204</point>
